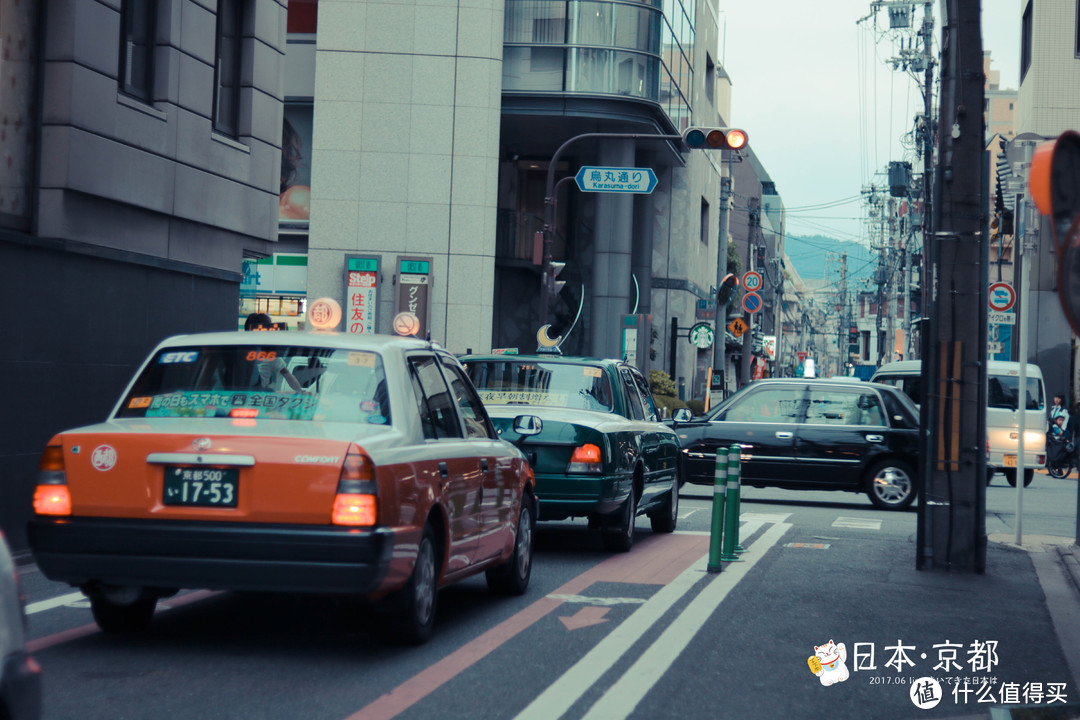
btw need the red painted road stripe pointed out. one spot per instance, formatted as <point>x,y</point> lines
<point>90,628</point>
<point>655,560</point>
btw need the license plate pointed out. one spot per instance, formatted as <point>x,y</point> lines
<point>200,486</point>
<point>1010,461</point>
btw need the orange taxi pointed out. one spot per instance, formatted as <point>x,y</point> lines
<point>297,462</point>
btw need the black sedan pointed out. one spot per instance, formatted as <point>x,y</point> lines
<point>810,434</point>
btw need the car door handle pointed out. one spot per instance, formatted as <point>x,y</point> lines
<point>875,438</point>
<point>443,469</point>
<point>784,434</point>
<point>483,465</point>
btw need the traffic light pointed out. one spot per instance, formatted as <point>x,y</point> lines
<point>715,138</point>
<point>555,285</point>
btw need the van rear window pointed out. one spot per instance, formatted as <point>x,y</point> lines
<point>1003,392</point>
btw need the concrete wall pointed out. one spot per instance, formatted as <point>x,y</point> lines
<point>405,152</point>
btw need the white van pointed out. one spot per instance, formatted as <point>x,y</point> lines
<point>1002,418</point>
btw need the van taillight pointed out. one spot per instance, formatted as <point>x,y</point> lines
<point>357,501</point>
<point>51,496</point>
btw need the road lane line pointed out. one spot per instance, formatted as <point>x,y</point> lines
<point>560,696</point>
<point>43,605</point>
<point>633,567</point>
<point>623,697</point>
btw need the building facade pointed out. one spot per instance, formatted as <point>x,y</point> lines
<point>138,146</point>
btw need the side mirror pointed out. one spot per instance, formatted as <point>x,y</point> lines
<point>526,425</point>
<point>682,415</point>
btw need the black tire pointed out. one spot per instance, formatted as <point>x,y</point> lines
<point>1058,471</point>
<point>890,485</point>
<point>117,619</point>
<point>412,608</point>
<point>619,536</point>
<point>1010,475</point>
<point>512,577</point>
<point>666,518</point>
<point>989,475</point>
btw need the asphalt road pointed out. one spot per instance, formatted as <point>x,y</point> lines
<point>643,634</point>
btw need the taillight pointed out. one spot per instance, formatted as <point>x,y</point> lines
<point>51,496</point>
<point>357,500</point>
<point>586,458</point>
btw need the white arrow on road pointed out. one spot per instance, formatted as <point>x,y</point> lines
<point>585,617</point>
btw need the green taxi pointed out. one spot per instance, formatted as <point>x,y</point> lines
<point>601,451</point>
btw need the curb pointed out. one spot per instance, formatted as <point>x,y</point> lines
<point>1070,560</point>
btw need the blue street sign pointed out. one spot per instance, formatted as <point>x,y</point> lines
<point>751,302</point>
<point>616,179</point>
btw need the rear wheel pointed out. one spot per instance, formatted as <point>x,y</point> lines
<point>666,518</point>
<point>512,577</point>
<point>122,618</point>
<point>891,485</point>
<point>1058,471</point>
<point>412,608</point>
<point>619,536</point>
<point>1010,475</point>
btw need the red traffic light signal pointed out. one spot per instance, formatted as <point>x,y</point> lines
<point>715,138</point>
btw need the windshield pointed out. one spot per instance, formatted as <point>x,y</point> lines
<point>1003,391</point>
<point>261,381</point>
<point>527,382</point>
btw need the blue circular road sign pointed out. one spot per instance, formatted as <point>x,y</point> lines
<point>751,302</point>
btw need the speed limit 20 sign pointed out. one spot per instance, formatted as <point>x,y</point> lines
<point>751,280</point>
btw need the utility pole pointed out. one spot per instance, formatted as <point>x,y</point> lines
<point>753,218</point>
<point>719,362</point>
<point>951,532</point>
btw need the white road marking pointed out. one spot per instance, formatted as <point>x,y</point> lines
<point>857,523</point>
<point>597,601</point>
<point>62,600</point>
<point>623,697</point>
<point>557,699</point>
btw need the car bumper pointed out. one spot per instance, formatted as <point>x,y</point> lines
<point>20,690</point>
<point>216,556</point>
<point>567,496</point>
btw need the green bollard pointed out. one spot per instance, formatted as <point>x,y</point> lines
<point>731,537</point>
<point>719,490</point>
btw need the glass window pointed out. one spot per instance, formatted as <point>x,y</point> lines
<point>1003,391</point>
<point>520,382</point>
<point>280,382</point>
<point>833,406</point>
<point>227,67</point>
<point>138,23</point>
<point>437,414</point>
<point>469,404</point>
<point>633,398</point>
<point>651,412</point>
<point>773,405</point>
<point>1025,40</point>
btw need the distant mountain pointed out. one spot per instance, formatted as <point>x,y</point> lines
<point>818,257</point>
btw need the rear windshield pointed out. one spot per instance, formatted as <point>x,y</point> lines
<point>518,382</point>
<point>261,381</point>
<point>1003,391</point>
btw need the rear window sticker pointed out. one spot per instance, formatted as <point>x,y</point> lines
<point>362,359</point>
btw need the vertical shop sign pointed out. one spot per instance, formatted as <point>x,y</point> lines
<point>361,293</point>
<point>413,295</point>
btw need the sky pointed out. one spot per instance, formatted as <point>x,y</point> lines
<point>824,111</point>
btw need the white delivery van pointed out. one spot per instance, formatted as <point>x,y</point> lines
<point>1002,416</point>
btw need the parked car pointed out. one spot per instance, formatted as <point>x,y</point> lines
<point>20,675</point>
<point>603,452</point>
<point>811,434</point>
<point>298,462</point>
<point>1002,414</point>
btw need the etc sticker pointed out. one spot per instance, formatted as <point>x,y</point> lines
<point>103,458</point>
<point>593,372</point>
<point>362,359</point>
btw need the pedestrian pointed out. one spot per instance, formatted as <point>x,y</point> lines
<point>1057,410</point>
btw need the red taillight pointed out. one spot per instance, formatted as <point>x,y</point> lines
<point>51,496</point>
<point>52,500</point>
<point>355,509</point>
<point>357,501</point>
<point>586,458</point>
